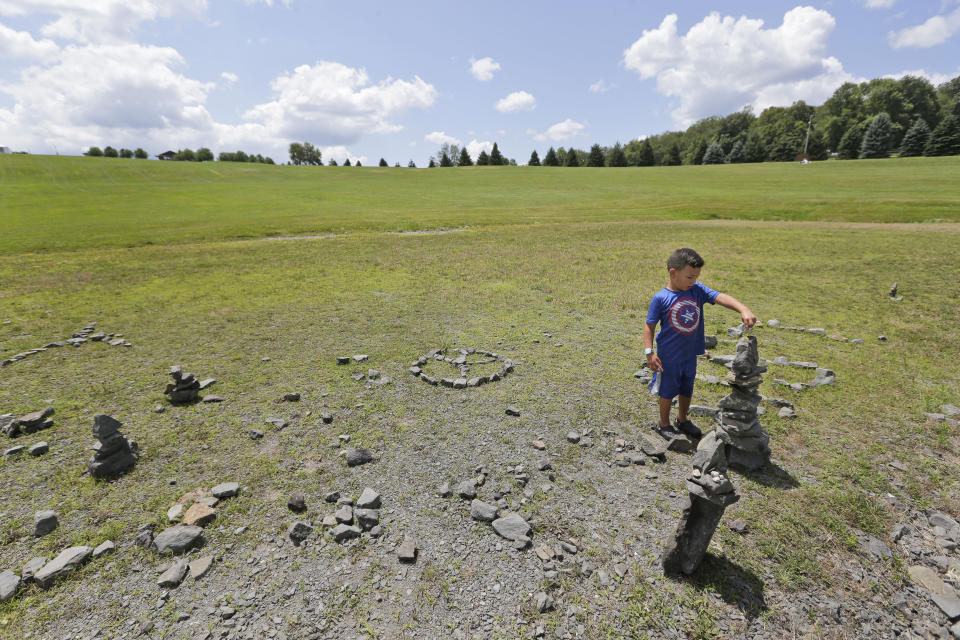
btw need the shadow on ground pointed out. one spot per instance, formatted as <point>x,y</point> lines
<point>735,585</point>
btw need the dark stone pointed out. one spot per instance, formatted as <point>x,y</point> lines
<point>299,531</point>
<point>297,502</point>
<point>684,549</point>
<point>512,411</point>
<point>343,359</point>
<point>356,457</point>
<point>326,418</point>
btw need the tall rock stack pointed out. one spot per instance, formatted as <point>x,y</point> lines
<point>710,492</point>
<point>185,387</point>
<point>748,444</point>
<point>113,453</point>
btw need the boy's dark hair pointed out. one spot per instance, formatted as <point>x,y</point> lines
<point>684,258</point>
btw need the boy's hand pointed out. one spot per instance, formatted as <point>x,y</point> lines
<point>653,362</point>
<point>748,319</point>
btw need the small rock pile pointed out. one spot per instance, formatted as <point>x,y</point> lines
<point>739,428</point>
<point>185,387</point>
<point>30,423</point>
<point>79,337</point>
<point>113,453</point>
<point>463,367</point>
<point>710,492</point>
<point>351,519</point>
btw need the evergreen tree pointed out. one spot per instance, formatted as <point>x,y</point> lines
<point>534,159</point>
<point>483,158</point>
<point>346,162</point>
<point>140,154</point>
<point>915,139</point>
<point>595,159</point>
<point>617,157</point>
<point>673,158</point>
<point>496,158</point>
<point>411,164</point>
<point>646,158</point>
<point>445,160</point>
<point>571,159</point>
<point>433,163</point>
<point>714,154</point>
<point>945,138</point>
<point>736,153</point>
<point>383,163</point>
<point>876,140</point>
<point>464,160</point>
<point>850,142</point>
<point>550,160</point>
<point>332,163</point>
<point>357,164</point>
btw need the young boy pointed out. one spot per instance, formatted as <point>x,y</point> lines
<point>678,308</point>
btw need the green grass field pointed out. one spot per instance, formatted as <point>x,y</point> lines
<point>177,257</point>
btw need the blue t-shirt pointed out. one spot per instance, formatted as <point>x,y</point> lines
<point>680,316</point>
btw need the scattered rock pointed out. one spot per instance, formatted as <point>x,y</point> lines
<point>512,526</point>
<point>44,522</point>
<point>291,397</point>
<point>226,490</point>
<point>212,399</point>
<point>67,561</point>
<point>356,457</point>
<point>787,412</point>
<point>344,532</point>
<point>12,451</point>
<point>199,515</point>
<point>326,418</point>
<point>297,502</point>
<point>178,539</point>
<point>369,499</point>
<point>512,411</point>
<point>39,449</point>
<point>343,359</point>
<point>407,551</point>
<point>200,567</point>
<point>739,526</point>
<point>299,531</point>
<point>367,519</point>
<point>482,511</point>
<point>173,576</point>
<point>104,548</point>
<point>9,582</point>
<point>543,602</point>
<point>467,489</point>
<point>31,568</point>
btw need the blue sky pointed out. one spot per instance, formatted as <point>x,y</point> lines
<point>394,80</point>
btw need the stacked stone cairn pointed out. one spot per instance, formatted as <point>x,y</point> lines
<point>185,387</point>
<point>113,453</point>
<point>710,492</point>
<point>748,443</point>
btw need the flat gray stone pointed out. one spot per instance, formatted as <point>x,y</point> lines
<point>67,561</point>
<point>104,425</point>
<point>950,410</point>
<point>512,411</point>
<point>467,490</point>
<point>480,510</point>
<point>105,547</point>
<point>200,567</point>
<point>357,457</point>
<point>178,539</point>
<point>173,576</point>
<point>226,490</point>
<point>407,551</point>
<point>39,449</point>
<point>344,532</point>
<point>543,602</point>
<point>949,604</point>
<point>9,582</point>
<point>31,568</point>
<point>512,526</point>
<point>367,519</point>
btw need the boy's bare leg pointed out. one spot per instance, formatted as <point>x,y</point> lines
<point>683,405</point>
<point>665,411</point>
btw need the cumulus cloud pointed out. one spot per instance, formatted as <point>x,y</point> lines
<point>474,147</point>
<point>484,68</point>
<point>516,101</point>
<point>20,44</point>
<point>340,153</point>
<point>559,132</point>
<point>229,78</point>
<point>934,77</point>
<point>723,63</point>
<point>122,92</point>
<point>99,20</point>
<point>337,104</point>
<point>600,86</point>
<point>440,137</point>
<point>933,31</point>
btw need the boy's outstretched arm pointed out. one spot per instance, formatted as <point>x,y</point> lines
<point>746,316</point>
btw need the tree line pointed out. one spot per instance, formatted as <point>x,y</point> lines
<point>110,152</point>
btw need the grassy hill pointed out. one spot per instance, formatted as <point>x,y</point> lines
<point>71,202</point>
<point>553,268</point>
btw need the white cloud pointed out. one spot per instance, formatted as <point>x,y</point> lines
<point>723,63</point>
<point>933,31</point>
<point>601,86</point>
<point>474,147</point>
<point>336,104</point>
<point>516,101</point>
<point>878,4</point>
<point>229,78</point>
<point>935,78</point>
<point>483,68</point>
<point>440,137</point>
<point>20,44</point>
<point>122,94</point>
<point>340,153</point>
<point>559,132</point>
<point>99,20</point>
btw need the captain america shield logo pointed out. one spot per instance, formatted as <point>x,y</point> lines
<point>685,316</point>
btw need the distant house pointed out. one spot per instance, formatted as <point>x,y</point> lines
<point>5,150</point>
<point>167,155</point>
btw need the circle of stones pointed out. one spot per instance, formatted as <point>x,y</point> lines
<point>461,362</point>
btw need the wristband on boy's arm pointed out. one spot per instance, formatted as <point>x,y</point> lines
<point>648,351</point>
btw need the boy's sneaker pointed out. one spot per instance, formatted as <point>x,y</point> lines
<point>688,429</point>
<point>667,433</point>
